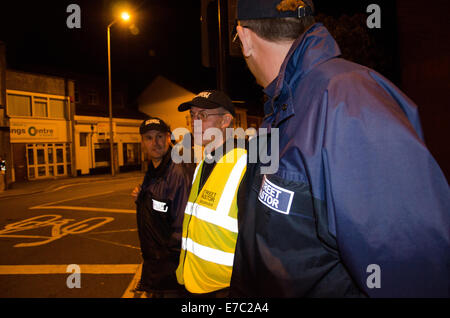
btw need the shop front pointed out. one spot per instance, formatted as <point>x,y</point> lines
<point>92,146</point>
<point>40,110</point>
<point>40,148</point>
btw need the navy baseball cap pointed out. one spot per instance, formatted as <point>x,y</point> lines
<point>153,123</point>
<point>271,9</point>
<point>210,99</point>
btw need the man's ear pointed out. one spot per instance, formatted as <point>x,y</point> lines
<point>226,120</point>
<point>169,138</point>
<point>246,40</point>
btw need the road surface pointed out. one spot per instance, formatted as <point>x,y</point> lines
<point>90,225</point>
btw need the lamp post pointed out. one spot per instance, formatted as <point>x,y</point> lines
<point>125,16</point>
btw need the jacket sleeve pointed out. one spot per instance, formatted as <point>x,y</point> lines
<point>179,189</point>
<point>388,199</point>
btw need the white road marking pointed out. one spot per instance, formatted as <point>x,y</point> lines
<point>62,269</point>
<point>72,198</point>
<point>86,268</point>
<point>81,208</point>
<point>129,292</point>
<point>60,227</point>
<point>52,206</point>
<point>96,181</point>
<point>114,231</point>
<point>111,242</point>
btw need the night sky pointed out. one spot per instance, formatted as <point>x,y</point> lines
<point>168,42</point>
<point>38,40</point>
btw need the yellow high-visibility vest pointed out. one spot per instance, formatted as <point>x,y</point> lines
<point>210,226</point>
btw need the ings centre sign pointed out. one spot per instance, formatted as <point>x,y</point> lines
<point>37,131</point>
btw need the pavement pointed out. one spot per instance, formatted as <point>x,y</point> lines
<point>45,185</point>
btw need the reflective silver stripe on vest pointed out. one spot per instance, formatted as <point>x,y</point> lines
<point>220,216</point>
<point>195,172</point>
<point>211,216</point>
<point>207,253</point>
<point>231,186</point>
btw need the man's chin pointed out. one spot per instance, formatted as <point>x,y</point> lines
<point>156,155</point>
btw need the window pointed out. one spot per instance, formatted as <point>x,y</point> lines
<point>57,108</point>
<point>92,98</point>
<point>40,107</point>
<point>102,155</point>
<point>30,156</point>
<point>50,155</point>
<point>40,156</point>
<point>19,105</point>
<point>83,139</point>
<point>36,105</point>
<point>131,153</point>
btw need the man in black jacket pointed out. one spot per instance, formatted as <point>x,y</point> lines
<point>160,204</point>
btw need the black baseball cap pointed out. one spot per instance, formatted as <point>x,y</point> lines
<point>271,9</point>
<point>153,123</point>
<point>210,99</point>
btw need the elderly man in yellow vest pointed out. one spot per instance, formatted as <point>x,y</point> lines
<point>210,222</point>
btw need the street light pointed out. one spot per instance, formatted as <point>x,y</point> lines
<point>124,16</point>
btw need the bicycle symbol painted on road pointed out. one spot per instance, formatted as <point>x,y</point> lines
<point>60,228</point>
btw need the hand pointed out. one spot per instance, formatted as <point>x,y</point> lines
<point>135,192</point>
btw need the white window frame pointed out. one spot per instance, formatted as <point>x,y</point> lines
<point>65,147</point>
<point>47,97</point>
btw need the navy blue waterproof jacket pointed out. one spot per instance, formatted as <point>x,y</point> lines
<point>160,210</point>
<point>358,206</point>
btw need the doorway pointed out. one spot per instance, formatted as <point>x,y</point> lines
<point>48,160</point>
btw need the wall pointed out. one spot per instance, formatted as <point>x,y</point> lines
<point>161,99</point>
<point>5,146</point>
<point>16,80</point>
<point>425,69</point>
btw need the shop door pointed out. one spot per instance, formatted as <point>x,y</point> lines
<point>48,160</point>
<point>84,157</point>
<point>20,162</point>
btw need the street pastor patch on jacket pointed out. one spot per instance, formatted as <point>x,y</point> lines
<point>159,206</point>
<point>275,197</point>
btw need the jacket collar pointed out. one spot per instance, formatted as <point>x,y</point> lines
<point>314,47</point>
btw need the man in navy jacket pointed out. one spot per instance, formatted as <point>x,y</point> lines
<point>160,204</point>
<point>362,208</point>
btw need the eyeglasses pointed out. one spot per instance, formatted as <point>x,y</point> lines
<point>203,115</point>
